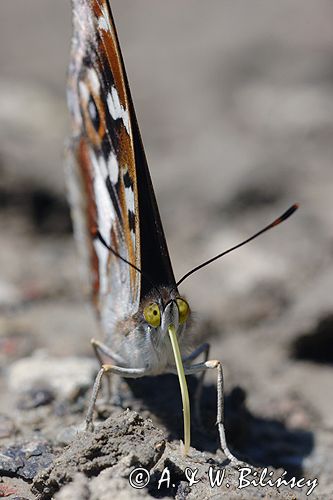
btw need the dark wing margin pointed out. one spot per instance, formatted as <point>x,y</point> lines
<point>155,259</point>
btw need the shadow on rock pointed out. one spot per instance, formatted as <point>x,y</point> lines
<point>265,442</point>
<point>47,212</point>
<point>317,345</point>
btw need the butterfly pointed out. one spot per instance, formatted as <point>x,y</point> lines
<point>144,319</point>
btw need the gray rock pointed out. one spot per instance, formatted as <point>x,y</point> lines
<point>64,376</point>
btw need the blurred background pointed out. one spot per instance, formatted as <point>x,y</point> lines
<point>235,105</point>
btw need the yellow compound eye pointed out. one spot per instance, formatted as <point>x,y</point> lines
<point>152,315</point>
<point>184,310</point>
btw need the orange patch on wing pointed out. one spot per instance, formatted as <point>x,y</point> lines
<point>96,136</point>
<point>111,46</point>
<point>85,165</point>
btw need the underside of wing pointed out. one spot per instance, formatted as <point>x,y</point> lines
<point>108,178</point>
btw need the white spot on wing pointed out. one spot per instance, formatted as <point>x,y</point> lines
<point>103,21</point>
<point>92,111</point>
<point>126,121</point>
<point>102,255</point>
<point>116,109</point>
<point>113,168</point>
<point>102,24</point>
<point>133,238</point>
<point>94,81</point>
<point>129,194</point>
<point>105,211</point>
<point>84,91</point>
<point>102,166</point>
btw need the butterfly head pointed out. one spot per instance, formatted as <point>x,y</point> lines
<point>147,341</point>
<point>159,316</point>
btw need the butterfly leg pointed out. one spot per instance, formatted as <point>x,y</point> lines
<point>216,365</point>
<point>99,349</point>
<point>97,346</point>
<point>204,348</point>
<point>105,369</point>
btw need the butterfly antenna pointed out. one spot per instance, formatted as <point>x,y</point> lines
<point>276,222</point>
<point>102,240</point>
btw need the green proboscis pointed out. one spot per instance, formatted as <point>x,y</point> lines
<point>183,388</point>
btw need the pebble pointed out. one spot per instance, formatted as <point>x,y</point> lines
<point>64,377</point>
<point>25,460</point>
<point>34,398</point>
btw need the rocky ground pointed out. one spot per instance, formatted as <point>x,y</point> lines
<point>235,102</point>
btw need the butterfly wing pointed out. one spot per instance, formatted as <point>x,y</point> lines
<point>110,189</point>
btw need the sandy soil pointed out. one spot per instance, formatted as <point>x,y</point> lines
<point>235,103</point>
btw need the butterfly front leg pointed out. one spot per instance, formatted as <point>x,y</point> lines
<point>216,365</point>
<point>203,367</point>
<point>105,369</point>
<point>99,349</point>
<point>203,348</point>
